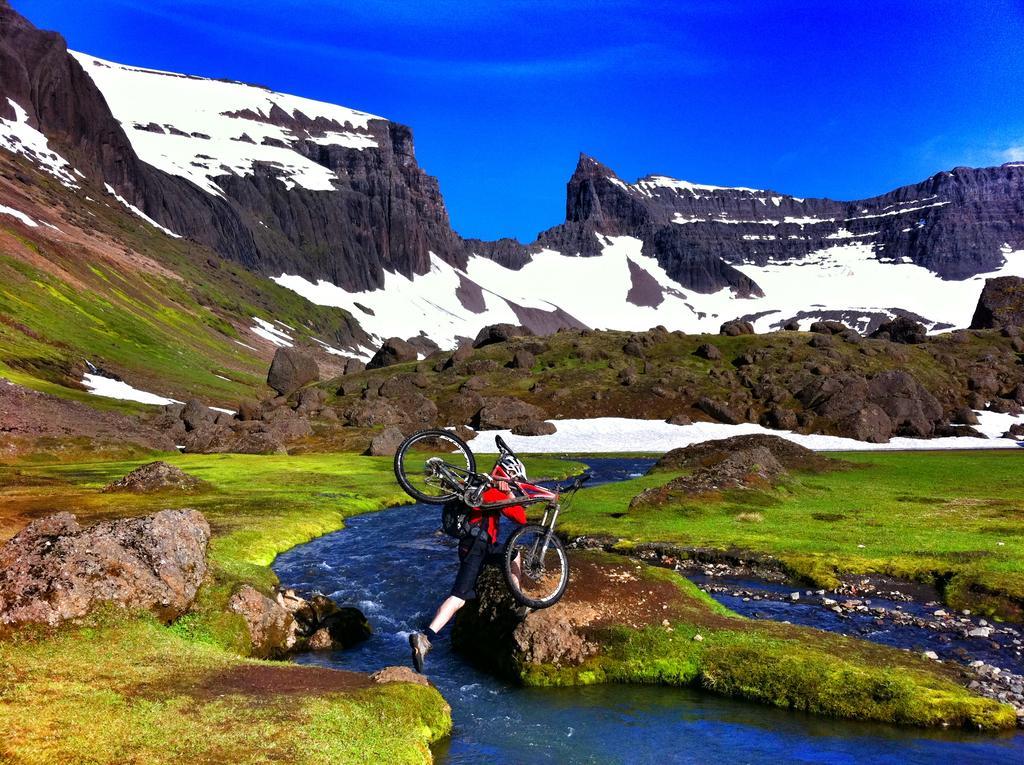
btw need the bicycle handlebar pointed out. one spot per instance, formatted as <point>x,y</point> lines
<point>576,485</point>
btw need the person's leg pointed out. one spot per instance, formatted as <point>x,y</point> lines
<point>444,614</point>
<point>516,569</point>
<point>471,560</point>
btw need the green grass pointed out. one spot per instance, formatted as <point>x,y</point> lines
<point>162,312</point>
<point>951,518</point>
<point>118,689</point>
<point>774,663</point>
<point>121,688</point>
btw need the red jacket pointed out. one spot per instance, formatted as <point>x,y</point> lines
<point>516,513</point>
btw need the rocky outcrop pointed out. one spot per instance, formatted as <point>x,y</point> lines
<point>901,330</point>
<point>752,467</point>
<point>891,402</point>
<point>55,570</point>
<point>273,631</point>
<point>321,624</point>
<point>1001,304</point>
<point>291,369</point>
<point>156,476</point>
<point>785,453</point>
<point>603,591</point>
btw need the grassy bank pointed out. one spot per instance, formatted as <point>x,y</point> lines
<point>950,518</point>
<point>772,663</point>
<point>123,688</point>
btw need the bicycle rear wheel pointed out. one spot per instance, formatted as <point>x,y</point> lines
<point>543,566</point>
<point>432,466</point>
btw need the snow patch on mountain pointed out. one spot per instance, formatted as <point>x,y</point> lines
<point>19,137</point>
<point>5,210</point>
<point>851,277</point>
<point>111,388</point>
<point>138,212</point>
<point>269,331</point>
<point>202,129</point>
<point>846,277</point>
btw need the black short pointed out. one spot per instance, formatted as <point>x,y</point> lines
<point>473,556</point>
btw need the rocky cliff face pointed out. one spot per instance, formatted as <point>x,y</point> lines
<point>956,224</point>
<point>360,204</point>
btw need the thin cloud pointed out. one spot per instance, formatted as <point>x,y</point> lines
<point>1013,153</point>
<point>641,57</point>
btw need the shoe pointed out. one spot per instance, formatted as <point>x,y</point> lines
<point>420,645</point>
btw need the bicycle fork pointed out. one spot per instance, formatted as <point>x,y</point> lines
<point>549,529</point>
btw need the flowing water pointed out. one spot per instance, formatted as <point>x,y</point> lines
<point>396,568</point>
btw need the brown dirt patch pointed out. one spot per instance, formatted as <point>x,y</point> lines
<point>263,682</point>
<point>606,590</point>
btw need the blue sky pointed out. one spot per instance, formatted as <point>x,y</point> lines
<point>839,99</point>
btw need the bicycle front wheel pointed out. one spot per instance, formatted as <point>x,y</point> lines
<point>433,465</point>
<point>536,567</point>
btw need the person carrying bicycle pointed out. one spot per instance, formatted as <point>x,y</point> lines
<point>478,547</point>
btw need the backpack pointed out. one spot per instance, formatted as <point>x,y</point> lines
<point>455,518</point>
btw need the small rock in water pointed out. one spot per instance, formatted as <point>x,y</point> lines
<point>980,632</point>
<point>794,596</point>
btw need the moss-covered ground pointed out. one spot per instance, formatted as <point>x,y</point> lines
<point>954,519</point>
<point>124,688</point>
<point>772,663</point>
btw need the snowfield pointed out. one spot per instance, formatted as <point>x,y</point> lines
<point>619,434</point>
<point>202,129</point>
<point>111,388</point>
<point>844,277</point>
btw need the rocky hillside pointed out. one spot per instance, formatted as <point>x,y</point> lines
<point>830,380</point>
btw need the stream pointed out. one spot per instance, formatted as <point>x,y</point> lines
<point>396,568</point>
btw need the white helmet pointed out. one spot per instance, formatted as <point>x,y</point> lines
<point>513,467</point>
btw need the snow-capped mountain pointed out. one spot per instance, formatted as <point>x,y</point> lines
<point>331,203</point>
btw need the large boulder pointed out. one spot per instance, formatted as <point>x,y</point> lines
<point>385,443</point>
<point>273,631</point>
<point>195,414</point>
<point>156,476</point>
<point>718,410</point>
<point>736,327</point>
<point>55,569</point>
<point>1001,304</point>
<point>499,333</point>
<point>501,412</point>
<point>291,369</point>
<point>395,350</point>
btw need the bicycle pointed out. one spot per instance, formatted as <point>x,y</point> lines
<point>436,467</point>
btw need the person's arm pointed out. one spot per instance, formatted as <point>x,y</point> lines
<point>515,513</point>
